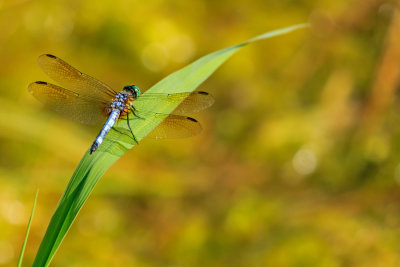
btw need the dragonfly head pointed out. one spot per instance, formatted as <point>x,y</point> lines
<point>133,90</point>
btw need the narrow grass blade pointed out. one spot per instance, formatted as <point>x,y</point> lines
<point>92,167</point>
<point>21,255</point>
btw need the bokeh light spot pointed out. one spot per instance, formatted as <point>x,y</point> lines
<point>13,211</point>
<point>155,56</point>
<point>304,161</point>
<point>180,47</point>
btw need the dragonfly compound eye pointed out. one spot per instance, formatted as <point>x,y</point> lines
<point>133,90</point>
<point>136,91</point>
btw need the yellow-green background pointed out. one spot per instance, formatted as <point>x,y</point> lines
<point>298,162</point>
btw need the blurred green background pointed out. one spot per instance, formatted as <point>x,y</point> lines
<point>298,163</point>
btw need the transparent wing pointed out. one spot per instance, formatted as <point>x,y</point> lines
<point>191,101</point>
<point>70,104</point>
<point>73,79</point>
<point>120,138</point>
<point>172,126</point>
<point>175,126</point>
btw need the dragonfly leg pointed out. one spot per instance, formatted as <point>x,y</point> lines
<point>133,109</point>
<point>134,138</point>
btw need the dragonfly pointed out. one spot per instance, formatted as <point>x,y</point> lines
<point>89,101</point>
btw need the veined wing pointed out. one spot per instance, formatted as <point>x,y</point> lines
<point>176,126</point>
<point>172,126</point>
<point>70,104</point>
<point>71,78</point>
<point>191,101</point>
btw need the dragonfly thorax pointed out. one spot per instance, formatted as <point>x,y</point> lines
<point>121,101</point>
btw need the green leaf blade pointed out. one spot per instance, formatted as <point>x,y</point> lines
<point>21,256</point>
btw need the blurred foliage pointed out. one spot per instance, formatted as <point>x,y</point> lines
<point>298,163</point>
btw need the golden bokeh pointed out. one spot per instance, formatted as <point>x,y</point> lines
<point>297,164</point>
